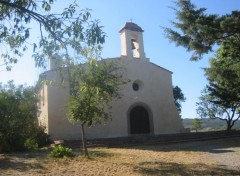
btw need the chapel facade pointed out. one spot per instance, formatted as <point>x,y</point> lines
<point>145,107</point>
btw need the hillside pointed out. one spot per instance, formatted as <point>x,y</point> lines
<point>210,124</point>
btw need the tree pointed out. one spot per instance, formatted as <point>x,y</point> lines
<point>224,67</point>
<point>221,98</point>
<point>18,116</point>
<point>70,29</point>
<point>214,103</point>
<point>178,98</point>
<point>198,31</point>
<point>196,123</point>
<point>94,85</point>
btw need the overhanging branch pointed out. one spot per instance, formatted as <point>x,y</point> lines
<point>38,17</point>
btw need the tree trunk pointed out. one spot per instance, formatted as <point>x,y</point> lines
<point>229,126</point>
<point>84,141</point>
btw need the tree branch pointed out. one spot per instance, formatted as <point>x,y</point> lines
<point>226,36</point>
<point>24,10</point>
<point>236,119</point>
<point>38,17</point>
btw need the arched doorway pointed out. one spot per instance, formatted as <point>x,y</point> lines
<point>139,120</point>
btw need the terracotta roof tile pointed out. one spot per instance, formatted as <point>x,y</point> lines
<point>131,26</point>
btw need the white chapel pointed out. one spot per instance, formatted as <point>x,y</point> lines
<point>146,107</point>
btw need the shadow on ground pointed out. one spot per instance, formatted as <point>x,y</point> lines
<point>163,168</point>
<point>101,154</point>
<point>225,145</point>
<point>13,164</point>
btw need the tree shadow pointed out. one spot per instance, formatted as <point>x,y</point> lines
<point>220,151</point>
<point>101,154</point>
<point>18,164</point>
<point>166,168</point>
<point>93,154</point>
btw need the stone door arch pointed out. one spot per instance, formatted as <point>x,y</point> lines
<point>140,121</point>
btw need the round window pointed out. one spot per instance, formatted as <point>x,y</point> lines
<point>135,86</point>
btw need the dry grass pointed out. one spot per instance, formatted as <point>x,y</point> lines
<point>217,157</point>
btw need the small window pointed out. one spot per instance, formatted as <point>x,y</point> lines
<point>135,86</point>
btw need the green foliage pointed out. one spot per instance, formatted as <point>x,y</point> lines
<point>178,98</point>
<point>94,85</point>
<point>69,29</point>
<point>60,152</point>
<point>18,110</point>
<point>215,103</point>
<point>199,31</point>
<point>31,144</point>
<point>197,124</point>
<point>40,136</point>
<point>224,68</point>
<point>221,98</point>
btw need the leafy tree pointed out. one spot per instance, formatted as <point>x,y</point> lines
<point>95,85</point>
<point>196,123</point>
<point>178,98</point>
<point>18,115</point>
<point>59,32</point>
<point>221,98</point>
<point>224,67</point>
<point>216,104</point>
<point>198,31</point>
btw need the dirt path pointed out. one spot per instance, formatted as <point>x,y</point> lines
<point>218,157</point>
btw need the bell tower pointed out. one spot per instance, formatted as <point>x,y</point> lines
<point>132,41</point>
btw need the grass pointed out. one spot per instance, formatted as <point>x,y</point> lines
<point>216,157</point>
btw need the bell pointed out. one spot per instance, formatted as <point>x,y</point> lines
<point>133,46</point>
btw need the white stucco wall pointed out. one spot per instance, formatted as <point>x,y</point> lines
<point>155,95</point>
<point>43,108</point>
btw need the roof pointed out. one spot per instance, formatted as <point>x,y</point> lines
<point>115,58</point>
<point>132,27</point>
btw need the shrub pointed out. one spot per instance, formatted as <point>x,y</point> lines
<point>40,136</point>
<point>31,144</point>
<point>60,151</point>
<point>36,138</point>
<point>19,129</point>
<point>32,138</point>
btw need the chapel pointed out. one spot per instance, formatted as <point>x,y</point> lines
<point>145,108</point>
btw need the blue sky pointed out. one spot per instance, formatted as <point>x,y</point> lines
<point>150,15</point>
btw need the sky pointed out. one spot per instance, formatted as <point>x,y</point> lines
<point>150,15</point>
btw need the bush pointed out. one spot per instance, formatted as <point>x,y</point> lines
<point>18,119</point>
<point>30,139</point>
<point>60,151</point>
<point>31,144</point>
<point>11,142</point>
<point>40,136</point>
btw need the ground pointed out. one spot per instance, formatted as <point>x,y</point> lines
<point>215,157</point>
